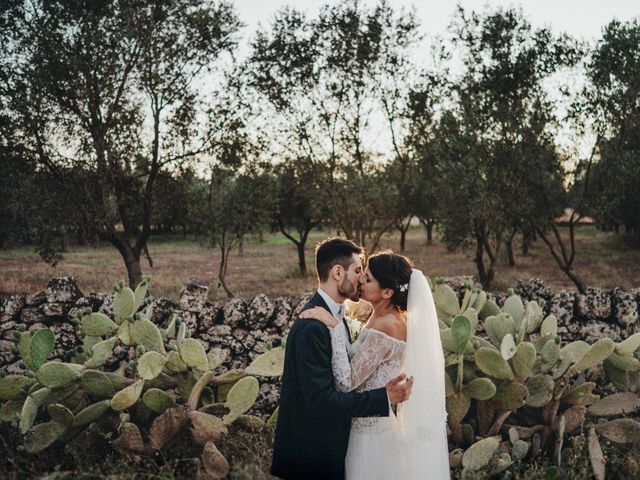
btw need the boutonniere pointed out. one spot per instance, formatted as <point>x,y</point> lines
<point>354,326</point>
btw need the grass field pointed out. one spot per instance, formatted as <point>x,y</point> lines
<point>604,259</point>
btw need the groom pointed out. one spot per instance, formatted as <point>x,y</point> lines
<point>314,420</point>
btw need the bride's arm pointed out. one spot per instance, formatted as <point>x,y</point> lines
<point>350,375</point>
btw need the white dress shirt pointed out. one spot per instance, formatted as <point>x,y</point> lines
<point>337,310</point>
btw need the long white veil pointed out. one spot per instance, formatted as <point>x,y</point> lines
<point>422,418</point>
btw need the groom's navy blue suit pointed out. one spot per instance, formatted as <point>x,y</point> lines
<point>314,420</point>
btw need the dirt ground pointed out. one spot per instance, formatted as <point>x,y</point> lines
<point>604,259</point>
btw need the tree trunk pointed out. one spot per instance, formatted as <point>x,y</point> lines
<point>302,261</point>
<point>509,244</point>
<point>428,225</point>
<point>81,237</point>
<point>486,274</point>
<point>63,242</point>
<point>404,228</point>
<point>303,233</point>
<point>222,272</point>
<point>526,242</point>
<point>131,257</point>
<point>566,254</point>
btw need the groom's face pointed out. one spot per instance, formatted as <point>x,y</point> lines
<point>349,286</point>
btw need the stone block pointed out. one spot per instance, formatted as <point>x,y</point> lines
<point>63,290</point>
<point>193,297</point>
<point>32,315</point>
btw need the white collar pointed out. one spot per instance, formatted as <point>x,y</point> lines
<point>335,307</point>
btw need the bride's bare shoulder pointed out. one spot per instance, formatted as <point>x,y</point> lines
<point>391,325</point>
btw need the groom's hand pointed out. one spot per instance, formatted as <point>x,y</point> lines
<point>399,390</point>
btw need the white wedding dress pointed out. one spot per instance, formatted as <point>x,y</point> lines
<point>375,359</point>
<point>414,445</point>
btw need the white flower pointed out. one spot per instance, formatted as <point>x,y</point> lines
<point>404,287</point>
<point>355,327</point>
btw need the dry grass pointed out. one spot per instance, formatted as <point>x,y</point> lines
<point>604,259</point>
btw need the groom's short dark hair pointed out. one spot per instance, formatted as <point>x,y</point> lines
<point>334,251</point>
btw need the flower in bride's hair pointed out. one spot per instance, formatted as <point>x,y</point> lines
<point>404,287</point>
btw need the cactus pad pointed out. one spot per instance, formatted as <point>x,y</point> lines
<point>11,386</point>
<point>44,435</point>
<point>124,303</point>
<point>457,406</point>
<point>620,430</point>
<point>58,374</point>
<point>139,294</point>
<point>216,357</point>
<point>150,365</point>
<point>174,362</point>
<point>214,462</point>
<point>514,307</point>
<point>158,400</point>
<point>97,384</point>
<point>241,398</point>
<point>616,404</point>
<point>594,355</point>
<point>91,413</point>
<point>498,326</point>
<point>491,363</point>
<point>582,394</point>
<point>166,426</point>
<point>28,414</point>
<point>98,324</point>
<point>540,390</point>
<point>193,354</point>
<point>629,345</point>
<point>144,332</point>
<point>268,364</point>
<point>549,326</point>
<point>206,428</point>
<point>511,395</point>
<point>101,351</point>
<point>60,414</point>
<point>519,450</point>
<point>508,347</point>
<point>273,419</point>
<point>127,397</point>
<point>130,439</point>
<point>481,389</point>
<point>446,302</point>
<point>460,333</point>
<point>40,347</point>
<point>480,454</point>
<point>523,360</point>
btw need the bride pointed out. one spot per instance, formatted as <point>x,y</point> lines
<point>401,334</point>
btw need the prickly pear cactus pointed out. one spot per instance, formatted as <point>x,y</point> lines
<point>522,374</point>
<point>153,395</point>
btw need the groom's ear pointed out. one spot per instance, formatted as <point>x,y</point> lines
<point>337,272</point>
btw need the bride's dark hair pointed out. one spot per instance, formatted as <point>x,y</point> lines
<point>392,271</point>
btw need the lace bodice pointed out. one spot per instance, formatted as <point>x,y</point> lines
<point>369,363</point>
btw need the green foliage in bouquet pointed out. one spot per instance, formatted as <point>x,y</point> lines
<point>148,400</point>
<point>521,380</point>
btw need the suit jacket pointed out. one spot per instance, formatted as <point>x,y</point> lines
<point>314,420</point>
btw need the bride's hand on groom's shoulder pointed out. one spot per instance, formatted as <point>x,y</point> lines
<point>319,313</point>
<point>399,390</point>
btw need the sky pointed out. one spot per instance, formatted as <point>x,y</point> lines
<point>582,19</point>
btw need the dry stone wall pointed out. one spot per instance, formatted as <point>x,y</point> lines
<point>245,328</point>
